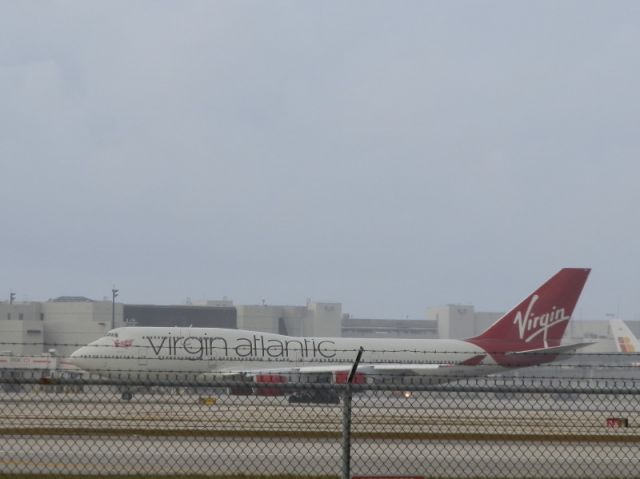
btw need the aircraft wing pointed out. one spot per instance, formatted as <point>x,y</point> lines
<point>371,370</point>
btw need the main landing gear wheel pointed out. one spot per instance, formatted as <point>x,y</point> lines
<point>315,397</point>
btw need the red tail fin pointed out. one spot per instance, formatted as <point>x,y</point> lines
<point>541,319</point>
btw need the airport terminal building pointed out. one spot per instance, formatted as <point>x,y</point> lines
<point>61,325</point>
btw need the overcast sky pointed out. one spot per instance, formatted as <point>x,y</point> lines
<point>387,155</point>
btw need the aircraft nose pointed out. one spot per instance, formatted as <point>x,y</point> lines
<point>76,356</point>
<point>83,359</point>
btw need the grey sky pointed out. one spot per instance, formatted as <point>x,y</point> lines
<point>387,155</point>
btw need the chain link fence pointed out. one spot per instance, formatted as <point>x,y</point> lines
<point>563,423</point>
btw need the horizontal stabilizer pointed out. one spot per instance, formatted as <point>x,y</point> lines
<point>566,348</point>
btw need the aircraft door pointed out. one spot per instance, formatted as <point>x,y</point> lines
<point>143,351</point>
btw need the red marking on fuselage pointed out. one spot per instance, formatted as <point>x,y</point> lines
<point>474,361</point>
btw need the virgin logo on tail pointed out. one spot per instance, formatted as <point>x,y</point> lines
<point>540,320</point>
<point>530,326</point>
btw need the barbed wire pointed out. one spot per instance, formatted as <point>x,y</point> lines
<point>354,349</point>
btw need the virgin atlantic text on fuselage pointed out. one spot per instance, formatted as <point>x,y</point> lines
<point>200,347</point>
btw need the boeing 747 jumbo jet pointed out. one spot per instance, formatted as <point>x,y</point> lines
<point>529,334</point>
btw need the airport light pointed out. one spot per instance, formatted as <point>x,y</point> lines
<point>114,295</point>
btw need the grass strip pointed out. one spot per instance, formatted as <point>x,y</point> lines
<point>400,436</point>
<point>154,476</point>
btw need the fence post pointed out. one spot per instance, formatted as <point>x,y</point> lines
<point>346,419</point>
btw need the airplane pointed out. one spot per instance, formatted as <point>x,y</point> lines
<point>529,334</point>
<point>626,341</point>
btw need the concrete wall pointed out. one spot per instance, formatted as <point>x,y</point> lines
<point>288,320</point>
<point>325,320</point>
<point>455,321</point>
<point>21,329</point>
<point>259,317</point>
<point>316,319</point>
<point>389,328</point>
<point>589,329</point>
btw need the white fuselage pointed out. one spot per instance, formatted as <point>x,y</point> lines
<point>140,351</point>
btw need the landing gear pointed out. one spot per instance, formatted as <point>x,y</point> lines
<point>315,396</point>
<point>127,396</point>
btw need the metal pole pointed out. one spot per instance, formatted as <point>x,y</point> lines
<point>346,419</point>
<point>114,294</point>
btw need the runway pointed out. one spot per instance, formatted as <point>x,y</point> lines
<point>431,434</point>
<point>372,414</point>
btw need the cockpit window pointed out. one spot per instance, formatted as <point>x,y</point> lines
<point>111,334</point>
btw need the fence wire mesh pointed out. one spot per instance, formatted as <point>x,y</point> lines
<point>577,420</point>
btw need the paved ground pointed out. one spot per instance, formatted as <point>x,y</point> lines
<point>430,434</point>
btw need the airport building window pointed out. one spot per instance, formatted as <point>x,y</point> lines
<point>20,316</point>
